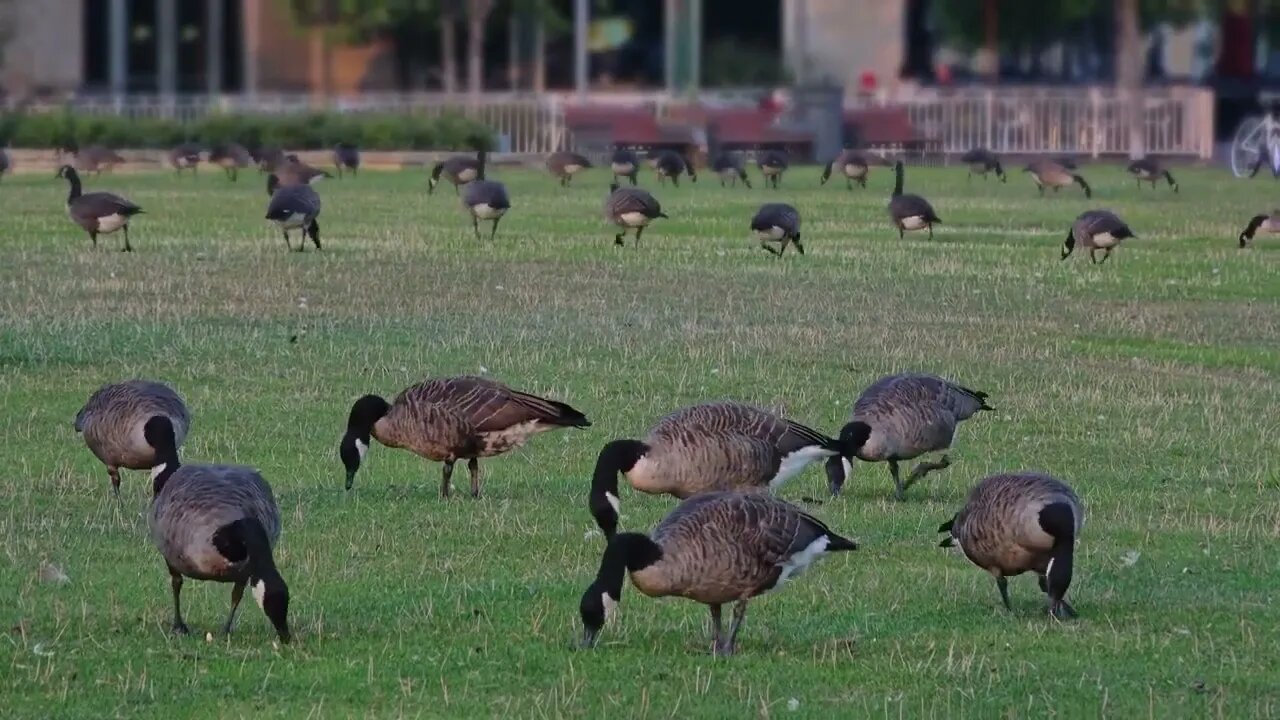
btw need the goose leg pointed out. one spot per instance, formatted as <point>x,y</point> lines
<point>287,244</point>
<point>897,481</point>
<point>924,468</point>
<point>94,237</point>
<point>716,628</point>
<point>473,467</point>
<point>617,239</point>
<point>639,231</point>
<point>1105,254</point>
<point>862,182</point>
<point>127,246</point>
<point>739,612</point>
<point>1093,257</point>
<point>475,225</point>
<point>444,479</point>
<point>900,233</point>
<point>175,582</point>
<point>799,247</point>
<point>930,231</point>
<point>114,473</point>
<point>494,230</point>
<point>765,244</point>
<point>237,592</point>
<point>1002,583</point>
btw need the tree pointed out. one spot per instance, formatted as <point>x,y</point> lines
<point>1129,72</point>
<point>477,15</point>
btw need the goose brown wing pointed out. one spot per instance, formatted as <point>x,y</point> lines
<point>489,405</point>
<point>102,204</point>
<point>628,200</point>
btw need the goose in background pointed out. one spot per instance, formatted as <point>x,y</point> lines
<point>346,157</point>
<point>1052,174</point>
<point>98,212</point>
<point>982,161</point>
<point>630,209</point>
<point>294,207</point>
<point>1096,230</point>
<point>564,165</point>
<point>624,163</point>
<point>909,212</point>
<point>112,421</point>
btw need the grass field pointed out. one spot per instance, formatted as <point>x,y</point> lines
<point>1151,384</point>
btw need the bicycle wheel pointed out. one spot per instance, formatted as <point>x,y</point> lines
<point>1248,144</point>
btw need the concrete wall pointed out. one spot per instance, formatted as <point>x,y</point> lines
<point>43,46</point>
<point>846,38</point>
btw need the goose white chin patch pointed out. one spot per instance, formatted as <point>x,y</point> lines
<point>613,502</point>
<point>793,463</point>
<point>610,605</point>
<point>796,564</point>
<point>361,448</point>
<point>259,589</point>
<point>155,471</point>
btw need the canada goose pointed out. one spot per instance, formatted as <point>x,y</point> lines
<point>564,165</point>
<point>98,212</point>
<point>772,164</point>
<point>268,158</point>
<point>731,168</point>
<point>485,200</point>
<point>714,548</point>
<point>451,419</point>
<point>1149,170</point>
<point>113,418</point>
<point>292,171</point>
<point>346,157</point>
<point>185,157</point>
<point>230,157</point>
<point>630,208</point>
<point>459,170</point>
<point>1012,523</point>
<point>982,161</point>
<point>1265,223</point>
<point>668,164</point>
<point>215,522</point>
<point>909,212</point>
<point>711,446</point>
<point>780,223</point>
<point>1049,173</point>
<point>901,417</point>
<point>93,158</point>
<point>1096,229</point>
<point>624,163</point>
<point>853,165</point>
<point>294,207</point>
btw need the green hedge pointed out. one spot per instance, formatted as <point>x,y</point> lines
<point>370,131</point>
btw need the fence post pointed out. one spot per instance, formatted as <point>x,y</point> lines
<point>1095,102</point>
<point>990,120</point>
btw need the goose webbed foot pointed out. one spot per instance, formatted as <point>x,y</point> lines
<point>924,468</point>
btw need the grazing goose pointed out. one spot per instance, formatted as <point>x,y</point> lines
<point>1265,223</point>
<point>772,164</point>
<point>1149,170</point>
<point>215,522</point>
<point>731,168</point>
<point>294,207</point>
<point>853,165</point>
<point>630,208</point>
<point>451,419</point>
<point>1050,173</point>
<point>564,165</point>
<point>1017,522</point>
<point>485,200</point>
<point>982,161</point>
<point>292,171</point>
<point>459,170</point>
<point>98,212</point>
<point>910,212</point>
<point>714,548</point>
<point>624,163</point>
<point>112,421</point>
<point>231,157</point>
<point>901,417</point>
<point>780,223</point>
<point>185,157</point>
<point>1096,230</point>
<point>268,158</point>
<point>669,164</point>
<point>712,446</point>
<point>94,158</point>
<point>346,157</point>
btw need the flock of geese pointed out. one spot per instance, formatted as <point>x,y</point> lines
<point>729,539</point>
<point>294,205</point>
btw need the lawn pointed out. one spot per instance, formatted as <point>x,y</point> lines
<point>1150,383</point>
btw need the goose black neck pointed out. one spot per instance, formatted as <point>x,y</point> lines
<point>619,456</point>
<point>897,179</point>
<point>482,155</point>
<point>159,434</point>
<point>73,179</point>
<point>626,552</point>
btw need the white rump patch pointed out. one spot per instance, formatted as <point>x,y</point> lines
<point>796,564</point>
<point>794,462</point>
<point>361,448</point>
<point>914,222</point>
<point>1105,240</point>
<point>853,170</point>
<point>467,175</point>
<point>295,220</point>
<point>613,502</point>
<point>485,211</point>
<point>259,589</point>
<point>773,233</point>
<point>315,178</point>
<point>111,223</point>
<point>572,169</point>
<point>634,219</point>
<point>610,605</point>
<point>622,168</point>
<point>155,471</point>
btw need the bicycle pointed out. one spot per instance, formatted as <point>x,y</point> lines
<point>1257,141</point>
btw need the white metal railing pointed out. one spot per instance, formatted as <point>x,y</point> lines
<point>1016,120</point>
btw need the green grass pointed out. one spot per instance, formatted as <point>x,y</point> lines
<point>1150,384</point>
